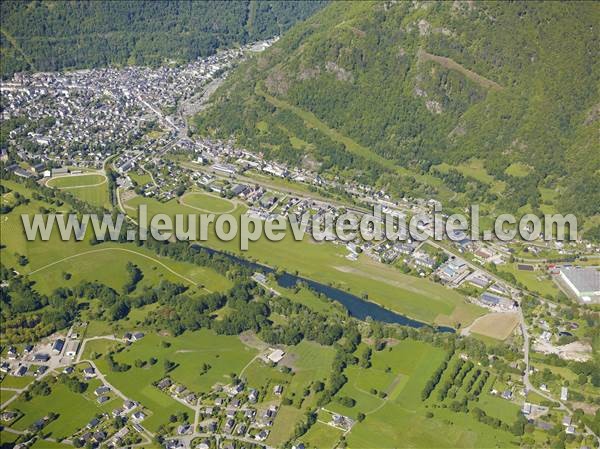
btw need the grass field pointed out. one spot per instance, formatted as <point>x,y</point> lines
<point>91,188</point>
<point>418,298</point>
<point>518,169</point>
<point>496,325</point>
<point>140,179</point>
<point>311,362</point>
<point>498,408</point>
<point>43,444</point>
<point>74,410</point>
<point>208,203</point>
<point>107,264</point>
<point>7,438</point>
<point>225,355</point>
<point>49,260</point>
<point>5,395</point>
<point>76,181</point>
<point>16,382</point>
<point>308,298</point>
<point>321,436</point>
<point>535,281</point>
<point>474,169</point>
<point>401,422</point>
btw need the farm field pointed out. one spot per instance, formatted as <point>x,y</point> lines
<point>495,325</point>
<point>401,421</point>
<point>225,355</point>
<point>417,298</point>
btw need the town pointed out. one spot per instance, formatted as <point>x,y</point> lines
<point>131,124</point>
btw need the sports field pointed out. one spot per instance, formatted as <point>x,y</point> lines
<point>76,181</point>
<point>91,188</point>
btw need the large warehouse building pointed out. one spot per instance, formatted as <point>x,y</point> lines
<point>584,282</point>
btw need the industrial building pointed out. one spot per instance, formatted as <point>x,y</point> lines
<point>584,282</point>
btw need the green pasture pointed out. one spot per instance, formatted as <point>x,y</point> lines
<point>321,436</point>
<point>418,298</point>
<point>225,355</point>
<point>401,420</point>
<point>74,410</point>
<point>535,281</point>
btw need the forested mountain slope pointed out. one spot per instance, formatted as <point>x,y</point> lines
<point>51,35</point>
<point>481,101</point>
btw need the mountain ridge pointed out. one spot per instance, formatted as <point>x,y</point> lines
<point>50,36</point>
<point>362,69</point>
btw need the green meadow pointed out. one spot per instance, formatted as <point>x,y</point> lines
<point>50,260</point>
<point>415,297</point>
<point>474,168</point>
<point>74,410</point>
<point>518,169</point>
<point>224,354</point>
<point>208,203</point>
<point>400,419</point>
<point>321,436</point>
<point>309,298</point>
<point>311,362</point>
<point>140,179</point>
<point>535,281</point>
<point>15,382</point>
<point>107,264</point>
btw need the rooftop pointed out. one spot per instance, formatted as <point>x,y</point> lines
<point>584,279</point>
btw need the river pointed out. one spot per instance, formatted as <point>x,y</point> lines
<point>357,307</point>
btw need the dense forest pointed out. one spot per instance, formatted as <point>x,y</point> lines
<point>53,35</point>
<point>420,84</point>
